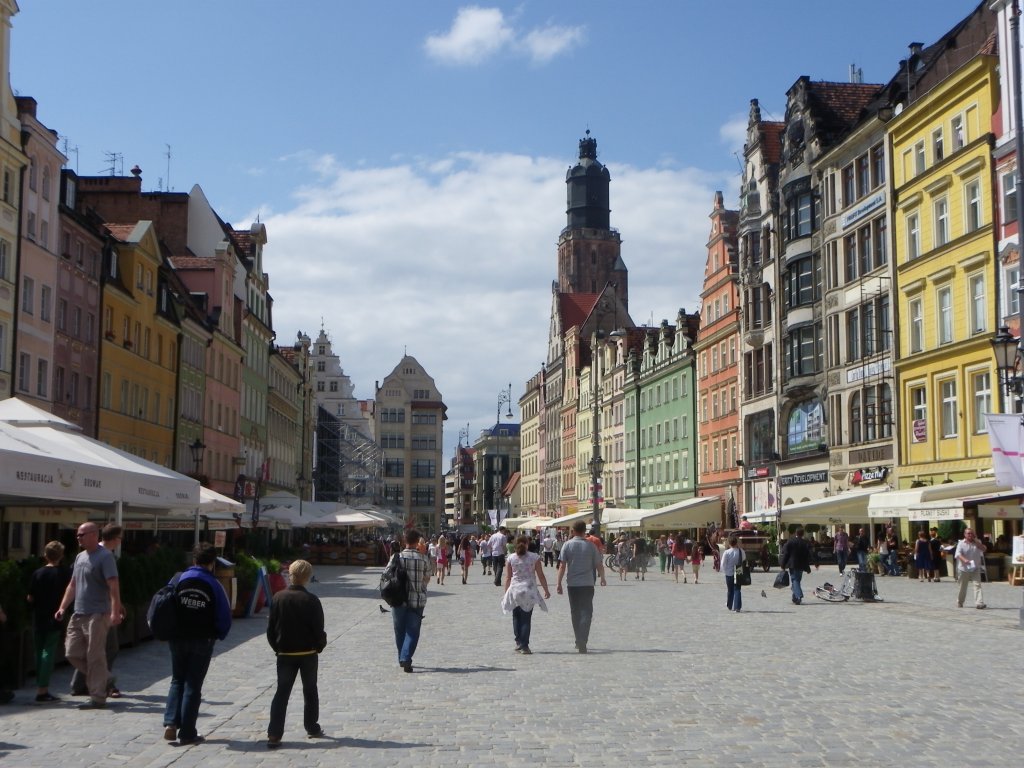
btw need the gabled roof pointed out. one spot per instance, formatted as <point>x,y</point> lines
<point>575,308</point>
<point>771,141</point>
<point>510,485</point>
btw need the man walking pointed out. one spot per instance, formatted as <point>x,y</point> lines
<point>296,633</point>
<point>841,546</point>
<point>499,548</point>
<point>548,546</point>
<point>796,558</point>
<point>203,617</point>
<point>95,591</point>
<point>576,566</point>
<point>970,557</point>
<point>407,618</point>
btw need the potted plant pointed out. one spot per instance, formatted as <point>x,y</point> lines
<point>246,572</point>
<point>15,633</point>
<point>874,563</point>
<point>278,581</point>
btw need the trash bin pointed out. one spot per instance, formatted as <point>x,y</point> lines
<point>864,587</point>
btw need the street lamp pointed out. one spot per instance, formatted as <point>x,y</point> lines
<point>596,462</point>
<point>1006,348</point>
<point>504,396</point>
<point>196,449</point>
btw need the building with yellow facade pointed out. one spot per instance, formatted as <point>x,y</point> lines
<point>139,353</point>
<point>946,276</point>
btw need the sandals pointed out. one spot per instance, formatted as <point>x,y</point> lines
<point>46,698</point>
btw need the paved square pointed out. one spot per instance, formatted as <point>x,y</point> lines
<point>672,679</point>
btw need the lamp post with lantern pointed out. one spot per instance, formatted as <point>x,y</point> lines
<point>197,448</point>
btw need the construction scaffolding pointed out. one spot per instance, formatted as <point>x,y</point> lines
<point>349,465</point>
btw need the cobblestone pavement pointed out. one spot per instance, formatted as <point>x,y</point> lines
<point>672,678</point>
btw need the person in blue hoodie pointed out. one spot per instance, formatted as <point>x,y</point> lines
<point>203,617</point>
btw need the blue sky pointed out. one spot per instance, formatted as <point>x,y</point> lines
<point>409,158</point>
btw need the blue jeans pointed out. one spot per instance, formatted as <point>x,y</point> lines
<point>581,610</point>
<point>893,564</point>
<point>407,630</point>
<point>862,561</point>
<point>795,575</point>
<point>521,621</point>
<point>190,660</point>
<point>841,559</point>
<point>498,564</point>
<point>287,668</point>
<point>733,594</point>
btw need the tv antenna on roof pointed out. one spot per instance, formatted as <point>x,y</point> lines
<point>168,155</point>
<point>115,159</point>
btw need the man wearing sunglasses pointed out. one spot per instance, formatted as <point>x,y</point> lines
<point>95,591</point>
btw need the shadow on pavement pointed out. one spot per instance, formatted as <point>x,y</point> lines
<point>461,670</point>
<point>326,742</point>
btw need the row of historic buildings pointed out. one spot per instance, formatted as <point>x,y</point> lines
<point>147,320</point>
<point>847,313</point>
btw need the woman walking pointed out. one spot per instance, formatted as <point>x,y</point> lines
<point>523,572</point>
<point>679,557</point>
<point>466,556</point>
<point>696,558</point>
<point>731,560</point>
<point>442,558</point>
<point>44,594</point>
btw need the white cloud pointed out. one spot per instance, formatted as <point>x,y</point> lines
<point>452,258</point>
<point>734,132</point>
<point>545,44</point>
<point>478,34</point>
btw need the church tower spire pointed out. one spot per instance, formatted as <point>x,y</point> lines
<point>589,250</point>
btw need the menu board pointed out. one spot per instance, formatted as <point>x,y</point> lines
<point>1018,549</point>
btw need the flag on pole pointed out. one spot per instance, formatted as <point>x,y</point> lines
<point>1006,436</point>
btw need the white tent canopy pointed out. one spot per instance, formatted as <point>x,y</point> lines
<point>849,506</point>
<point>1000,505</point>
<point>898,503</point>
<point>45,458</point>
<point>535,522</point>
<point>608,515</point>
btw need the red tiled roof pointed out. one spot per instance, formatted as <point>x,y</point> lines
<point>771,141</point>
<point>845,101</point>
<point>121,231</point>
<point>574,308</point>
<point>510,484</point>
<point>243,241</point>
<point>191,262</point>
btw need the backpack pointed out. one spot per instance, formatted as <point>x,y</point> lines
<point>394,583</point>
<point>162,615</point>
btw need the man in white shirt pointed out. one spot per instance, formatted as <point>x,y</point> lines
<point>970,559</point>
<point>548,547</point>
<point>499,544</point>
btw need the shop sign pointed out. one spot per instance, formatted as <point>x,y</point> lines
<point>804,478</point>
<point>867,476</point>
<point>920,427</point>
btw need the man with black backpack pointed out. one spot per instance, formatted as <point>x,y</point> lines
<point>408,617</point>
<point>203,617</point>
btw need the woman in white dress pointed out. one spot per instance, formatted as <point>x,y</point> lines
<point>523,572</point>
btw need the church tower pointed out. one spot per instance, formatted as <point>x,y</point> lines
<point>589,250</point>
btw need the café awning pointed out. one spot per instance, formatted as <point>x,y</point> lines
<point>999,505</point>
<point>849,506</point>
<point>887,504</point>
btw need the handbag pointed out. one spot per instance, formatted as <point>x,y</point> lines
<point>743,574</point>
<point>781,580</point>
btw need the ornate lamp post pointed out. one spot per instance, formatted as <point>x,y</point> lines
<point>504,396</point>
<point>1006,348</point>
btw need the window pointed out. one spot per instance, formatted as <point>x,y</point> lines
<point>947,391</point>
<point>42,377</point>
<point>423,468</point>
<point>863,176</point>
<point>1009,198</point>
<point>972,205</point>
<point>919,158</point>
<point>801,351</point>
<point>855,418</point>
<point>45,299</point>
<point>392,415</point>
<point>62,314</point>
<point>941,222</point>
<point>394,468</point>
<point>981,392</point>
<point>4,258</point>
<point>28,290</point>
<point>959,135</point>
<point>919,410</point>
<point>913,236</point>
<point>944,307</point>
<point>976,286</point>
<point>849,194</point>
<point>24,374</point>
<point>76,322</point>
<point>424,418</point>
<point>850,248</point>
<point>877,165</point>
<point>878,228</point>
<point>916,326</point>
<point>800,282</point>
<point>937,152</point>
<point>853,335</point>
<point>1013,291</point>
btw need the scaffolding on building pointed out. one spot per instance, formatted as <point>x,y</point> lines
<point>349,464</point>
